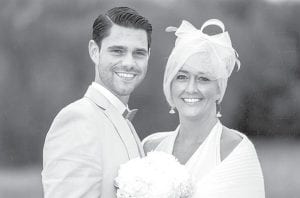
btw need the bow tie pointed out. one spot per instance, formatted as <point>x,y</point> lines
<point>129,114</point>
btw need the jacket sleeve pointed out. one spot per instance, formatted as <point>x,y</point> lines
<point>72,157</point>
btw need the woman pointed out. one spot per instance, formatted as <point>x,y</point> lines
<point>223,161</point>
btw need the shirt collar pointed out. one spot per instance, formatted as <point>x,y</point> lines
<point>114,100</point>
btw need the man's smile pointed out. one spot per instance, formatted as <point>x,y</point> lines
<point>126,75</point>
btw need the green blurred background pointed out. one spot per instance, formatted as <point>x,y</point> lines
<point>44,65</point>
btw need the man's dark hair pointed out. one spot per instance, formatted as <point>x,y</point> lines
<point>122,16</point>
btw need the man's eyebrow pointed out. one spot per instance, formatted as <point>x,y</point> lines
<point>141,50</point>
<point>117,47</point>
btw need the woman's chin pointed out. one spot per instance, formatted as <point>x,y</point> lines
<point>191,114</point>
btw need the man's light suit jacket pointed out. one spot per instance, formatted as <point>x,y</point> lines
<point>86,143</point>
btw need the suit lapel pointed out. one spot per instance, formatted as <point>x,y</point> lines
<point>137,139</point>
<point>117,119</point>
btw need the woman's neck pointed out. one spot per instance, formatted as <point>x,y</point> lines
<point>191,135</point>
<point>196,129</point>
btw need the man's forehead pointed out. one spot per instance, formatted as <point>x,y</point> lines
<point>122,34</point>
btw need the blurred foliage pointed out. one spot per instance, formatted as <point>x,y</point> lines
<point>44,65</point>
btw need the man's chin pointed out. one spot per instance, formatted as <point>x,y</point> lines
<point>127,89</point>
<point>125,92</point>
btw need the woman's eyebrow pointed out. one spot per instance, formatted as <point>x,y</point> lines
<point>186,72</point>
<point>183,71</point>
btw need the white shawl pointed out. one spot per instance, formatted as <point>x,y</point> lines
<point>239,175</point>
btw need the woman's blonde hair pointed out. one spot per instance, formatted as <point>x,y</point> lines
<point>217,48</point>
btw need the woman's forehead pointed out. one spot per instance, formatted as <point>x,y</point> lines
<point>192,69</point>
<point>198,57</point>
<point>199,62</point>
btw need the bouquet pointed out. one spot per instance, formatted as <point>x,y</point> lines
<point>158,175</point>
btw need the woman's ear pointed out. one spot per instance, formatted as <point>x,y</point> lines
<point>222,84</point>
<point>219,95</point>
<point>94,51</point>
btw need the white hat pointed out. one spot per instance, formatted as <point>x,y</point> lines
<point>190,41</point>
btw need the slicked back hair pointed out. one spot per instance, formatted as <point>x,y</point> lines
<point>122,16</point>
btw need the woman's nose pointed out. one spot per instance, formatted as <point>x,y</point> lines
<point>191,86</point>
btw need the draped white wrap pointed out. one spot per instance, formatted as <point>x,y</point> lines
<point>239,175</point>
<point>221,56</point>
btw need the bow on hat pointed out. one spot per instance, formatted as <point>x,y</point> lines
<point>186,31</point>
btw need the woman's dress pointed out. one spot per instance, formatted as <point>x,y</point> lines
<point>239,175</point>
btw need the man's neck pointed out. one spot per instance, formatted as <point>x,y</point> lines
<point>119,102</point>
<point>123,99</point>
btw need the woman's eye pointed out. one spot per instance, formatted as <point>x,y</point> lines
<point>202,78</point>
<point>181,77</point>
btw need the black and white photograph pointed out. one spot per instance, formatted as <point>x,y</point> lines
<point>149,99</point>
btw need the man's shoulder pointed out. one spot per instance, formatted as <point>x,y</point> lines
<point>80,112</point>
<point>81,118</point>
<point>80,108</point>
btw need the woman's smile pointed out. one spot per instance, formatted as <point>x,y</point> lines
<point>191,100</point>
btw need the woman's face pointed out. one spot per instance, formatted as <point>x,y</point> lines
<point>194,93</point>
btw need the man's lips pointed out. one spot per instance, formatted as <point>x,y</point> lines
<point>126,75</point>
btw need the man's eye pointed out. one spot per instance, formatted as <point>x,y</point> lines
<point>117,51</point>
<point>140,53</point>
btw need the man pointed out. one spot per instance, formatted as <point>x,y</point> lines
<point>90,138</point>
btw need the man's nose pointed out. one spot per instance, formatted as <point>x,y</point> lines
<point>129,60</point>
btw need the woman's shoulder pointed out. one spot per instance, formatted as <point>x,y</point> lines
<point>230,139</point>
<point>152,141</point>
<point>232,135</point>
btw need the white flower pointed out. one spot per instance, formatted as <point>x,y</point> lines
<point>158,175</point>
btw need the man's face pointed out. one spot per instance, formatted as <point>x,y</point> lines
<point>123,59</point>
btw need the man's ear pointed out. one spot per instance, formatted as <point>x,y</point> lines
<point>149,52</point>
<point>94,51</point>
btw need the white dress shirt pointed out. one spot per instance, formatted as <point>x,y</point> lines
<point>115,101</point>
